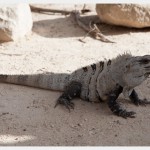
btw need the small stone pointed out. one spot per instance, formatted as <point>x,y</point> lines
<point>6,113</point>
<point>93,128</point>
<point>24,130</point>
<point>92,131</point>
<point>52,126</point>
<point>79,124</point>
<point>72,126</point>
<point>117,122</point>
<point>80,135</point>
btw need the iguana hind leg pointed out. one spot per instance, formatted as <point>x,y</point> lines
<point>73,90</point>
<point>136,100</point>
<point>115,106</point>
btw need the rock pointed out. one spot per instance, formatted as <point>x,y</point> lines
<point>85,119</point>
<point>24,129</point>
<point>52,126</point>
<point>80,135</point>
<point>80,124</point>
<point>130,15</point>
<point>92,131</point>
<point>15,21</point>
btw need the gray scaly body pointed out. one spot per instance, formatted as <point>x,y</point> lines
<point>103,81</point>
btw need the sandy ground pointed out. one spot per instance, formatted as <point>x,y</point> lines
<point>27,115</point>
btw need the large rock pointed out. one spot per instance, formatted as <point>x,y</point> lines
<point>130,15</point>
<point>15,21</point>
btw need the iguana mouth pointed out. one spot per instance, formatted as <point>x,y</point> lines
<point>147,68</point>
<point>147,75</point>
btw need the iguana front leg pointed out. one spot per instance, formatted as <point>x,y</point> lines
<point>115,106</point>
<point>73,90</point>
<point>136,100</point>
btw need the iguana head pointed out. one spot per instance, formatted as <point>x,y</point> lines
<point>137,69</point>
<point>130,71</point>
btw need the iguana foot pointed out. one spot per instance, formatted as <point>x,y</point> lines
<point>115,107</point>
<point>136,100</point>
<point>72,91</point>
<point>141,102</point>
<point>67,103</point>
<point>125,114</point>
<point>119,111</point>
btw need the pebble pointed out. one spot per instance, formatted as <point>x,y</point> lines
<point>52,126</point>
<point>118,122</point>
<point>80,135</point>
<point>6,113</point>
<point>85,119</point>
<point>80,124</point>
<point>92,131</point>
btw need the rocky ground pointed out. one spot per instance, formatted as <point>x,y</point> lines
<point>27,115</point>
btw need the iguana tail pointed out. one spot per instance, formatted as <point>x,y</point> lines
<point>52,81</point>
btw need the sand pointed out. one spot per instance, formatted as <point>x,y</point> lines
<point>27,115</point>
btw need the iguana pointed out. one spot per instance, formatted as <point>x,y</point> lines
<point>102,81</point>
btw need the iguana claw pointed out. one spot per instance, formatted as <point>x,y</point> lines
<point>126,114</point>
<point>142,102</point>
<point>67,103</point>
